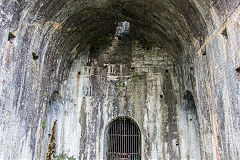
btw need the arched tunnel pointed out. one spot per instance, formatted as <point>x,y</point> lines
<point>70,67</point>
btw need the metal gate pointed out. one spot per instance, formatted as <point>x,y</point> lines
<point>124,140</point>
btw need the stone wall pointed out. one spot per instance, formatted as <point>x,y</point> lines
<point>61,83</point>
<point>146,91</point>
<point>218,89</point>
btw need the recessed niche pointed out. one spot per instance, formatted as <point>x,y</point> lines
<point>167,70</point>
<point>238,69</point>
<point>224,33</point>
<point>191,68</point>
<point>132,68</point>
<point>35,56</point>
<point>88,64</point>
<point>119,38</point>
<point>11,36</point>
<point>204,53</point>
<point>54,96</point>
<point>79,73</point>
<point>161,96</point>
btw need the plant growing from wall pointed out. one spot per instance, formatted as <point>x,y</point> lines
<point>121,85</point>
<point>63,156</point>
<point>43,124</point>
<point>138,76</point>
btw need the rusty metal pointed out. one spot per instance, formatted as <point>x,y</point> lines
<point>124,140</point>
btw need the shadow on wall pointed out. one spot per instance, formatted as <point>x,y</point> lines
<point>51,128</point>
<point>192,139</point>
<point>189,105</point>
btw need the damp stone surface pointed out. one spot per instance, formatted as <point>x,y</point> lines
<point>69,68</point>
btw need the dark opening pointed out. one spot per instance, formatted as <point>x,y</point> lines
<point>123,140</point>
<point>88,64</point>
<point>238,69</point>
<point>54,96</point>
<point>161,96</point>
<point>189,102</point>
<point>119,38</point>
<point>204,53</point>
<point>224,32</point>
<point>35,56</point>
<point>11,36</point>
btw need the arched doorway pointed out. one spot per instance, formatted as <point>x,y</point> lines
<point>123,140</point>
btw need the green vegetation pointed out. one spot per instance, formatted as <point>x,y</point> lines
<point>121,85</point>
<point>138,76</point>
<point>43,124</point>
<point>63,156</point>
<point>44,93</point>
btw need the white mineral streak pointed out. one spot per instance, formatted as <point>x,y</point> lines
<point>77,91</point>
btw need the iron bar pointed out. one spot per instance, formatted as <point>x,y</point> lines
<point>124,140</point>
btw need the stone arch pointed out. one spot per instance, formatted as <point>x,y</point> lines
<point>123,139</point>
<point>59,31</point>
